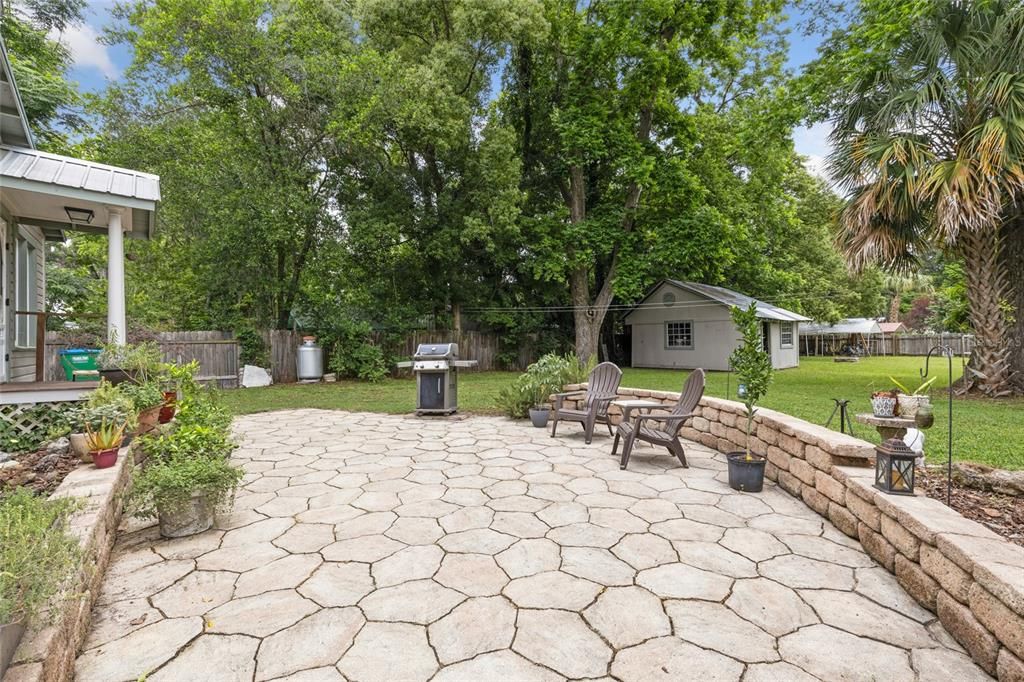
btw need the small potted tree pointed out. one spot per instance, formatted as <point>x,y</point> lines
<point>753,368</point>
<point>37,556</point>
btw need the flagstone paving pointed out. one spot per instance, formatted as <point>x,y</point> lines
<point>372,547</point>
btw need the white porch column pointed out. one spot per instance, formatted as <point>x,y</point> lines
<point>117,325</point>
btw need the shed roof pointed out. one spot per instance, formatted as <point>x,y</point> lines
<point>730,298</point>
<point>852,325</point>
<point>892,327</point>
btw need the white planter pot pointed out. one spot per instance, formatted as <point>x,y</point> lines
<point>909,404</point>
<point>193,517</point>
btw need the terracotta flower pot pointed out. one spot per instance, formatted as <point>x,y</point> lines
<point>104,459</point>
<point>148,419</point>
<point>169,407</point>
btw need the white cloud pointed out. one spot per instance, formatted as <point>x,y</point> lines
<point>812,143</point>
<point>87,51</point>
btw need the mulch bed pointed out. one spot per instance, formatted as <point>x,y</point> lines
<point>40,471</point>
<point>1002,514</point>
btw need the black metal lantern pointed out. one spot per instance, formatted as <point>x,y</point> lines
<point>894,467</point>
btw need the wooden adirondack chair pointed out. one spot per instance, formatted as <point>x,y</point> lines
<point>602,387</point>
<point>660,429</point>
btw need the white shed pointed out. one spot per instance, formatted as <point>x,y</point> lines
<point>687,325</point>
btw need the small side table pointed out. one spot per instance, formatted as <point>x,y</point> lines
<point>628,406</point>
<point>888,427</point>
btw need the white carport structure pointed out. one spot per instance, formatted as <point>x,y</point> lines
<point>828,339</point>
<point>42,196</point>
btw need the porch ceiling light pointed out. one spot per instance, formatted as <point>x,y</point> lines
<point>82,216</point>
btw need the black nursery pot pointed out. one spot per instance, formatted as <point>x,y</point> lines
<point>746,475</point>
<point>117,376</point>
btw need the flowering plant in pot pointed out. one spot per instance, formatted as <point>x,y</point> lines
<point>753,368</point>
<point>909,401</point>
<point>104,442</point>
<point>37,556</point>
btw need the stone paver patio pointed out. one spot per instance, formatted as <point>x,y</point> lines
<point>372,547</point>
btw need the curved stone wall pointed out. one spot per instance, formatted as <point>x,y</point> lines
<point>970,577</point>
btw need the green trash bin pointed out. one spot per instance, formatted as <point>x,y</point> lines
<point>80,364</point>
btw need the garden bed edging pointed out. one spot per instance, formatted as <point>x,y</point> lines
<point>970,577</point>
<point>47,653</point>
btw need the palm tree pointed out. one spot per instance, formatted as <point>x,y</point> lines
<point>929,149</point>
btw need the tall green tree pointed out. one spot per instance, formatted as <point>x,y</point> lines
<point>599,105</point>
<point>40,65</point>
<point>929,147</point>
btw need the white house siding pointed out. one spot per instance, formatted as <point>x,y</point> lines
<point>22,363</point>
<point>714,334</point>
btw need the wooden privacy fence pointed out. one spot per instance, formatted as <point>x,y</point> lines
<point>886,344</point>
<point>919,344</point>
<point>218,354</point>
<point>480,346</point>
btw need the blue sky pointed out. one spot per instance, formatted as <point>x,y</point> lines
<point>95,64</point>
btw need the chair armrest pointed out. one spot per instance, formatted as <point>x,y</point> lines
<point>670,420</point>
<point>559,397</point>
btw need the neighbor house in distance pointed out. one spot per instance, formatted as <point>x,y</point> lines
<point>689,325</point>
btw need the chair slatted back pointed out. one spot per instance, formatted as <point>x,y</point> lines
<point>693,390</point>
<point>603,380</point>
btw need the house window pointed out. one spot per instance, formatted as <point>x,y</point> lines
<point>24,293</point>
<point>679,335</point>
<point>786,334</point>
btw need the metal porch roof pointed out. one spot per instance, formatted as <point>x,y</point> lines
<point>731,298</point>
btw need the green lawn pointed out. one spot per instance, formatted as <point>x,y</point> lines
<point>984,430</point>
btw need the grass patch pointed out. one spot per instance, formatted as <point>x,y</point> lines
<point>985,431</point>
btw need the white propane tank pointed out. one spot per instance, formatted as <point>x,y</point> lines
<point>309,360</point>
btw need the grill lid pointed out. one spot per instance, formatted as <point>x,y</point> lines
<point>429,351</point>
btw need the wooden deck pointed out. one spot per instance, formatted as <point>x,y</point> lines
<point>17,392</point>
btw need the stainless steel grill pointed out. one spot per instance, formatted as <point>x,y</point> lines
<point>436,366</point>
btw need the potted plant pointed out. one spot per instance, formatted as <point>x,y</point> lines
<point>909,401</point>
<point>86,418</point>
<point>104,442</point>
<point>129,362</point>
<point>883,403</point>
<point>529,393</point>
<point>37,556</point>
<point>147,399</point>
<point>184,492</point>
<point>753,368</point>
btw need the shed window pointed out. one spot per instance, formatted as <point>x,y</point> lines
<point>679,334</point>
<point>24,293</point>
<point>786,334</point>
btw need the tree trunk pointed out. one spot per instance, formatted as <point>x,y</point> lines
<point>894,307</point>
<point>987,287</point>
<point>1012,259</point>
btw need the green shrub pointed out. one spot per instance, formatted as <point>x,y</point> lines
<point>36,554</point>
<point>169,485</point>
<point>252,348</point>
<point>144,395</point>
<point>202,408</point>
<point>54,421</point>
<point>546,376</point>
<point>189,440</point>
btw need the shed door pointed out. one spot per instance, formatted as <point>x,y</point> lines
<point>766,337</point>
